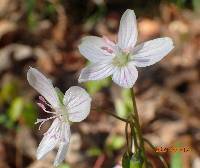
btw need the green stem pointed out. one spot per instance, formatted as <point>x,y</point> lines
<point>127,138</point>
<point>133,134</point>
<point>157,154</point>
<point>138,128</point>
<point>119,118</point>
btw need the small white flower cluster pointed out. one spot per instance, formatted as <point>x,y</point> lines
<point>107,58</point>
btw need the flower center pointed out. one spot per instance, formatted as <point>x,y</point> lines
<point>121,59</point>
<point>60,113</point>
<point>64,114</point>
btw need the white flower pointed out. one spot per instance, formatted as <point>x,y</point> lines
<point>121,59</point>
<point>74,107</point>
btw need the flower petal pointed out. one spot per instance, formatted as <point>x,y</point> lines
<point>78,103</point>
<point>63,146</point>
<point>125,76</point>
<point>96,71</point>
<point>43,85</point>
<point>127,35</point>
<point>152,51</point>
<point>96,49</point>
<point>61,153</point>
<point>50,139</point>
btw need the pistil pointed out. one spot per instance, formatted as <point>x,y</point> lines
<point>121,59</point>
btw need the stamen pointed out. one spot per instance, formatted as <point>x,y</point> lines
<point>107,49</point>
<point>44,108</point>
<point>127,50</point>
<point>44,101</point>
<point>42,121</point>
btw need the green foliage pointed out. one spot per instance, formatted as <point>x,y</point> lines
<point>16,108</point>
<point>49,9</point>
<point>8,91</point>
<point>4,120</point>
<point>94,86</point>
<point>196,5</point>
<point>124,104</point>
<point>29,113</point>
<point>176,160</point>
<point>179,3</point>
<point>64,166</point>
<point>115,142</point>
<point>94,151</point>
<point>91,20</point>
<point>131,161</point>
<point>32,19</point>
<point>21,109</point>
<point>34,14</point>
<point>30,5</point>
<point>126,161</point>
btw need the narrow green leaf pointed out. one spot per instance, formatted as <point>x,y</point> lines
<point>64,166</point>
<point>131,161</point>
<point>94,151</point>
<point>115,142</point>
<point>9,91</point>
<point>16,109</point>
<point>176,160</point>
<point>29,113</point>
<point>94,86</point>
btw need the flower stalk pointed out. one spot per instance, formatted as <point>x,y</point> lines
<point>138,131</point>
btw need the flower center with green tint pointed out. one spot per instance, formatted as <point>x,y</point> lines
<point>63,110</point>
<point>64,114</point>
<point>121,59</point>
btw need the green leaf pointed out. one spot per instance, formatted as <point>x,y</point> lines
<point>49,9</point>
<point>94,86</point>
<point>29,113</point>
<point>123,104</point>
<point>16,109</point>
<point>3,119</point>
<point>6,122</point>
<point>131,161</point>
<point>179,3</point>
<point>32,20</point>
<point>94,151</point>
<point>196,5</point>
<point>120,108</point>
<point>176,160</point>
<point>9,91</point>
<point>115,142</point>
<point>126,161</point>
<point>64,166</point>
<point>126,95</point>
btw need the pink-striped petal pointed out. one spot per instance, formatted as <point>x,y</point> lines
<point>127,35</point>
<point>77,102</point>
<point>125,76</point>
<point>96,71</point>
